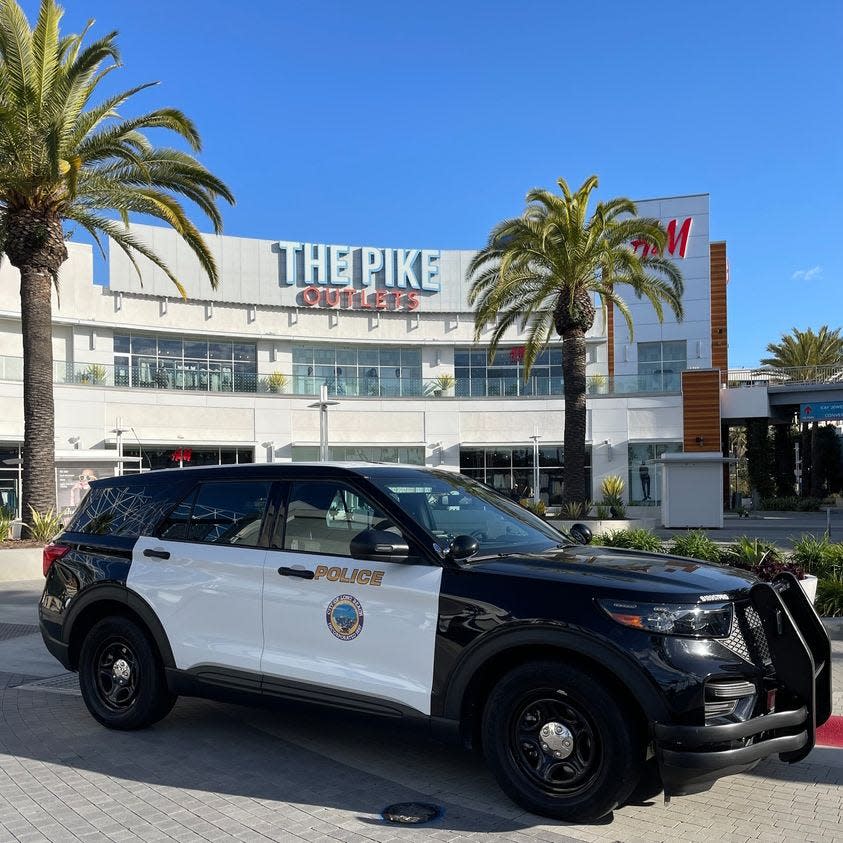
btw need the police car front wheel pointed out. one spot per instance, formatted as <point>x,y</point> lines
<point>558,743</point>
<point>121,677</point>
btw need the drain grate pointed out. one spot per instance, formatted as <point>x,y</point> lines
<point>16,630</point>
<point>64,683</point>
<point>411,813</point>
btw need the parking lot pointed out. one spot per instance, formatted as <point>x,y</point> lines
<point>222,772</point>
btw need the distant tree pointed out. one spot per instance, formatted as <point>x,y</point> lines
<point>808,351</point>
<point>807,355</point>
<point>66,159</point>
<point>759,458</point>
<point>541,271</point>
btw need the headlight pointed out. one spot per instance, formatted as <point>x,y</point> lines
<point>708,620</point>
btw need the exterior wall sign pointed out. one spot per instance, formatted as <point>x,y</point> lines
<point>676,241</point>
<point>365,278</point>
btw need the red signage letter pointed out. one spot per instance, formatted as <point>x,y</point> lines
<point>682,241</point>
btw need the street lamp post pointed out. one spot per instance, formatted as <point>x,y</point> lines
<point>322,404</point>
<point>535,437</point>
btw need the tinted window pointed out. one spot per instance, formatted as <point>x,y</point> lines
<point>325,517</point>
<point>229,513</point>
<point>176,523</point>
<point>129,510</point>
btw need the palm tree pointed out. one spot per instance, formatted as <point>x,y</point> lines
<point>540,272</point>
<point>808,356</point>
<point>63,159</point>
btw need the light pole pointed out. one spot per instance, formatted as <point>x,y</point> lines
<point>535,437</point>
<point>322,404</point>
<point>118,431</point>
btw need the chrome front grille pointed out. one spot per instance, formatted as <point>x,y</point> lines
<point>747,638</point>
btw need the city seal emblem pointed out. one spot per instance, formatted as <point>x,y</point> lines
<point>345,617</point>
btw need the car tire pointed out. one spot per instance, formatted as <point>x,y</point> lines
<point>121,676</point>
<point>558,743</point>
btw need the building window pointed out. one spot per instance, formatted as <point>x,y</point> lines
<point>357,370</point>
<point>404,454</point>
<point>645,472</point>
<point>509,470</point>
<point>504,376</point>
<point>181,363</point>
<point>182,456</point>
<point>660,365</point>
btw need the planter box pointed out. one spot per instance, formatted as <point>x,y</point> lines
<point>809,586</point>
<point>23,563</point>
<point>608,526</point>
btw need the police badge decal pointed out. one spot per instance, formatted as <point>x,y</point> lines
<point>345,617</point>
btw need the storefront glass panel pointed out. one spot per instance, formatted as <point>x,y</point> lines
<point>644,482</point>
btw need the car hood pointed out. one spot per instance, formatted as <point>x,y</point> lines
<point>657,574</point>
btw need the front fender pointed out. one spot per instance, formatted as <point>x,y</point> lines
<point>583,644</point>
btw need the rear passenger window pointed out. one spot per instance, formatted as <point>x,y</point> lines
<point>325,517</point>
<point>228,513</point>
<point>130,509</point>
<point>176,524</point>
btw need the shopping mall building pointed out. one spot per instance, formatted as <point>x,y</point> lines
<point>146,380</point>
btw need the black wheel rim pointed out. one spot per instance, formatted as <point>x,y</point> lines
<point>565,759</point>
<point>116,674</point>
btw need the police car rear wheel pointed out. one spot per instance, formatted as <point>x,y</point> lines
<point>558,743</point>
<point>121,677</point>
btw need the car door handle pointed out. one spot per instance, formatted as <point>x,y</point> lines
<point>158,554</point>
<point>296,572</point>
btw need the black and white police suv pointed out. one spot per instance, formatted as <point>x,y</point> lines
<point>584,673</point>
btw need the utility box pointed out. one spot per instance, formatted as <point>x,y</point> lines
<point>692,489</point>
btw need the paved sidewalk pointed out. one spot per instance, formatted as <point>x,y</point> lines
<point>220,772</point>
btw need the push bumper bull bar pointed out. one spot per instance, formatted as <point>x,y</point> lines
<point>691,758</point>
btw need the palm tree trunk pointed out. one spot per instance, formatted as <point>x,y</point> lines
<point>573,369</point>
<point>39,475</point>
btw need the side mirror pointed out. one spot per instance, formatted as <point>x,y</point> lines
<point>463,547</point>
<point>380,545</point>
<point>581,533</point>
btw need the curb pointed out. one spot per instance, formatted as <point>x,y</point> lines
<point>834,628</point>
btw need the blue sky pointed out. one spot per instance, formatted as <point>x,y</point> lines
<point>424,124</point>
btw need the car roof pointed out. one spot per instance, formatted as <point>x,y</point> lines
<point>263,470</point>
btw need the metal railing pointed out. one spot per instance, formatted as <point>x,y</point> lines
<point>770,376</point>
<point>222,378</point>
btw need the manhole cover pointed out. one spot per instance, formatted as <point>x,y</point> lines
<point>411,813</point>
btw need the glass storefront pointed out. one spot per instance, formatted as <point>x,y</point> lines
<point>357,370</point>
<point>183,363</point>
<point>645,472</point>
<point>660,365</point>
<point>9,480</point>
<point>509,470</point>
<point>156,457</point>
<point>406,454</point>
<point>476,376</point>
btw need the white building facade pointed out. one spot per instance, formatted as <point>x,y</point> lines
<point>144,379</point>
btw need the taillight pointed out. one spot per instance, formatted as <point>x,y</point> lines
<point>51,553</point>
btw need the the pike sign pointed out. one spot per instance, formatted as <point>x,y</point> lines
<point>364,278</point>
<point>368,278</point>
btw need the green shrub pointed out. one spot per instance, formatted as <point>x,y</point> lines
<point>6,519</point>
<point>829,602</point>
<point>748,553</point>
<point>612,487</point>
<point>696,545</point>
<point>818,556</point>
<point>576,509</point>
<point>43,528</point>
<point>602,511</point>
<point>791,504</point>
<point>536,507</point>
<point>635,539</point>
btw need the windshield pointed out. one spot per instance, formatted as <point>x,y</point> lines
<point>450,505</point>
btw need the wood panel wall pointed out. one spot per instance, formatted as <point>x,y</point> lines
<point>719,332</point>
<point>701,409</point>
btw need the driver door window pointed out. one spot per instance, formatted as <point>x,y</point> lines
<point>324,517</point>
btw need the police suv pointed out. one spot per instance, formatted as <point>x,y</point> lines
<point>584,673</point>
